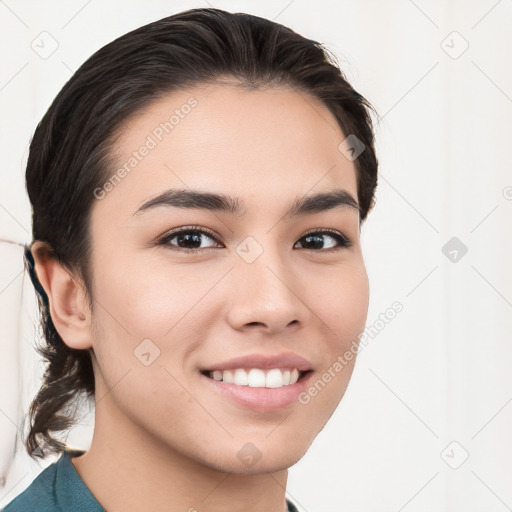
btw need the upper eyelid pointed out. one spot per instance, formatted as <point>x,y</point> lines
<point>185,229</point>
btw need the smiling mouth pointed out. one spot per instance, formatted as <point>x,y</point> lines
<point>257,377</point>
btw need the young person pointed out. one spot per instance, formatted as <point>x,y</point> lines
<point>198,189</point>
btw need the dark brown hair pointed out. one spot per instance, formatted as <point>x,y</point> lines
<point>71,152</point>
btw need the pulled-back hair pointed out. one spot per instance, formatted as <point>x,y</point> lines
<point>71,151</point>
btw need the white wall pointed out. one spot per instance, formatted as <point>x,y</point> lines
<point>439,373</point>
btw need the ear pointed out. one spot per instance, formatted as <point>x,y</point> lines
<point>67,301</point>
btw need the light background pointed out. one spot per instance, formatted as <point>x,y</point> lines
<point>435,382</point>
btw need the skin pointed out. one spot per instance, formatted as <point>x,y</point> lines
<point>163,440</point>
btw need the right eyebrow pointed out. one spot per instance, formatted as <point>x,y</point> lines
<point>183,198</point>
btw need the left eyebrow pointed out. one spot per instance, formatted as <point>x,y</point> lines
<point>321,202</point>
<point>194,199</point>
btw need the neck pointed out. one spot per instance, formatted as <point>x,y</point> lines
<point>127,470</point>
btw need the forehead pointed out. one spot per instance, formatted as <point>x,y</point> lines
<point>261,145</point>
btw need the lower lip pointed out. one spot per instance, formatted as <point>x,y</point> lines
<point>261,399</point>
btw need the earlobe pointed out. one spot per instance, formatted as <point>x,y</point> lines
<point>65,298</point>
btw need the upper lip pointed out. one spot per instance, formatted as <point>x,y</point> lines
<point>263,361</point>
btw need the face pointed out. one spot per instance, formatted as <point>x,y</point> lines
<point>191,289</point>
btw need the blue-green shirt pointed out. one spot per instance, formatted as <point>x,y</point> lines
<point>59,488</point>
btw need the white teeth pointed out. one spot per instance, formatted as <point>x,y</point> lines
<point>241,378</point>
<point>275,378</point>
<point>257,378</point>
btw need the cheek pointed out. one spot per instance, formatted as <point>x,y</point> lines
<point>343,309</point>
<point>142,336</point>
<point>151,318</point>
<point>342,303</point>
<point>150,299</point>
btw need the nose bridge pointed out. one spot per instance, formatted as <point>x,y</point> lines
<point>264,291</point>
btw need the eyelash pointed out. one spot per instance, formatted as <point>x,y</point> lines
<point>343,241</point>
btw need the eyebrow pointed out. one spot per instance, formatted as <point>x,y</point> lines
<point>194,199</point>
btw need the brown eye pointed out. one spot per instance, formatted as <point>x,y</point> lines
<point>326,240</point>
<point>188,239</point>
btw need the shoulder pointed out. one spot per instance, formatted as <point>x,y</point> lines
<point>39,496</point>
<point>291,506</point>
<point>58,488</point>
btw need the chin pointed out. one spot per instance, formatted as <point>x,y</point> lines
<point>249,460</point>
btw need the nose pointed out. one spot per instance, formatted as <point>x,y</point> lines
<point>265,295</point>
